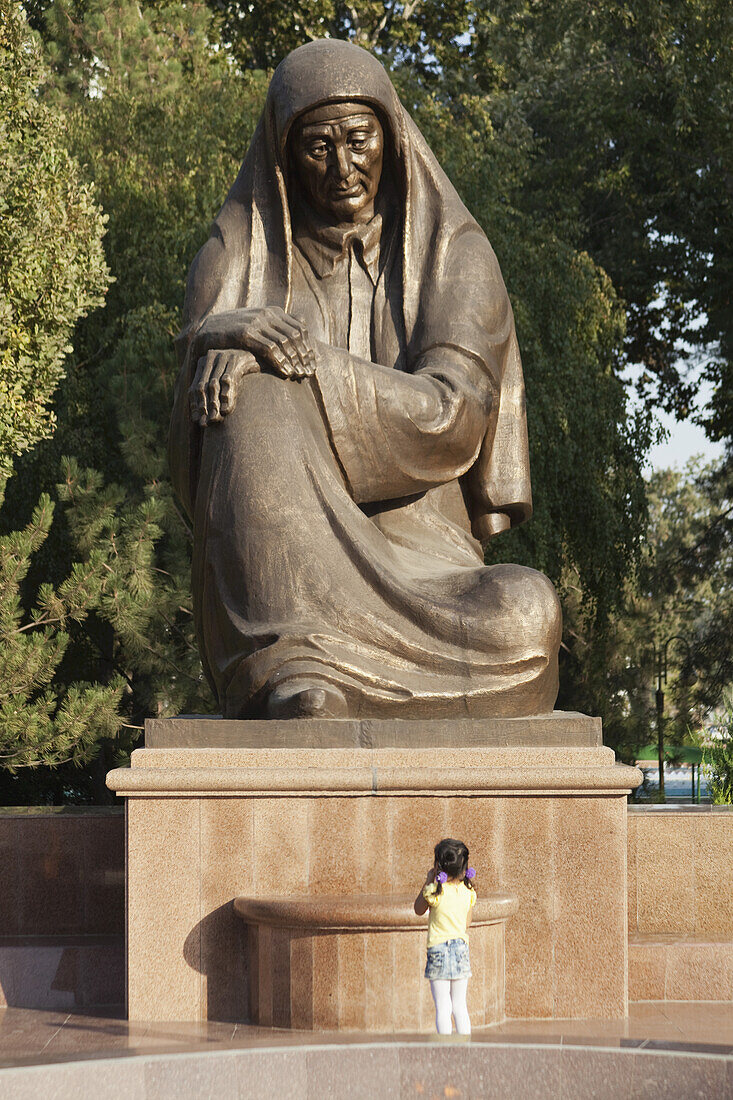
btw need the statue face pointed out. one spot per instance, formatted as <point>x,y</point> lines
<point>338,150</point>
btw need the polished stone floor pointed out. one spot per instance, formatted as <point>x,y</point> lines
<point>29,1037</point>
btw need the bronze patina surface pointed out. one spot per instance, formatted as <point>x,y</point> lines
<point>349,426</point>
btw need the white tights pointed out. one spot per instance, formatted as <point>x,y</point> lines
<point>450,1000</point>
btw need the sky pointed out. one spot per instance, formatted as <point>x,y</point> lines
<point>683,441</point>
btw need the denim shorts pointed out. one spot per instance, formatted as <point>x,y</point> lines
<point>448,961</point>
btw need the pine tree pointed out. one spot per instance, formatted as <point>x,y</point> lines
<point>52,272</point>
<point>42,722</point>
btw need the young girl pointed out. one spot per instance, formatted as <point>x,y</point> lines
<point>450,895</point>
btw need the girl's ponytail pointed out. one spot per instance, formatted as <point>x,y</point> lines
<point>451,857</point>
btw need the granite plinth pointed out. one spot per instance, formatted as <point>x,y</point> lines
<point>205,825</point>
<point>560,728</point>
<point>328,962</point>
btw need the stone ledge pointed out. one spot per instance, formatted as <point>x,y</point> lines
<point>359,912</point>
<point>138,781</point>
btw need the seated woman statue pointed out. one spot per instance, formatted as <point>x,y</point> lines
<point>349,425</point>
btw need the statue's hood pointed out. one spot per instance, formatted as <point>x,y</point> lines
<point>328,71</point>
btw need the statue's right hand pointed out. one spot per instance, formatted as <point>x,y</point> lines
<point>277,339</point>
<point>213,393</point>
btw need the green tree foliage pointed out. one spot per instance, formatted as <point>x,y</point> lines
<point>422,34</point>
<point>123,50</point>
<point>613,672</point>
<point>629,105</point>
<point>161,129</point>
<point>52,268</point>
<point>160,117</point>
<point>717,758</point>
<point>708,560</point>
<point>42,720</point>
<point>52,272</point>
<point>162,140</point>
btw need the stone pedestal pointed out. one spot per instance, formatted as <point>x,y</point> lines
<point>546,823</point>
<point>330,962</point>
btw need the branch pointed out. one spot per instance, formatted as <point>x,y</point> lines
<point>374,37</point>
<point>409,9</point>
<point>184,521</point>
<point>45,620</point>
<point>356,21</point>
<point>37,763</point>
<point>177,630</point>
<point>107,656</point>
<point>168,661</point>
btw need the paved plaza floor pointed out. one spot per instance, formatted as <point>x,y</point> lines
<point>675,1051</point>
<point>32,1037</point>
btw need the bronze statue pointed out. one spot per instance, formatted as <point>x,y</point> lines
<point>349,425</point>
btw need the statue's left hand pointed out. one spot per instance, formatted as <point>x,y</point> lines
<point>214,391</point>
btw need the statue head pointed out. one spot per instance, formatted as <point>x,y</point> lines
<point>336,128</point>
<point>337,152</point>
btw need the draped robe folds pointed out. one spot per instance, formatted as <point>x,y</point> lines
<point>338,520</point>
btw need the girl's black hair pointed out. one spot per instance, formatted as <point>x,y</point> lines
<point>452,857</point>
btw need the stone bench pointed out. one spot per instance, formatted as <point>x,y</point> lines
<point>333,963</point>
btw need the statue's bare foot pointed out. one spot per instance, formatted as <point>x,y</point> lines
<point>306,699</point>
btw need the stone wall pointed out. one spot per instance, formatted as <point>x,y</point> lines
<point>62,907</point>
<point>680,871</point>
<point>62,898</point>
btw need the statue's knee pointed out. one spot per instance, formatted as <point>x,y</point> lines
<point>548,611</point>
<point>532,603</point>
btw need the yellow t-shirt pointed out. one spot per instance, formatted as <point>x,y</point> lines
<point>448,911</point>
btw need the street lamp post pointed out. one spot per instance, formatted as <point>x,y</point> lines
<point>660,731</point>
<point>660,661</point>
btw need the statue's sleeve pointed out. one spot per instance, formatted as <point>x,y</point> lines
<point>397,433</point>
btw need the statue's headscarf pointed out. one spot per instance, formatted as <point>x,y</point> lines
<point>452,290</point>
